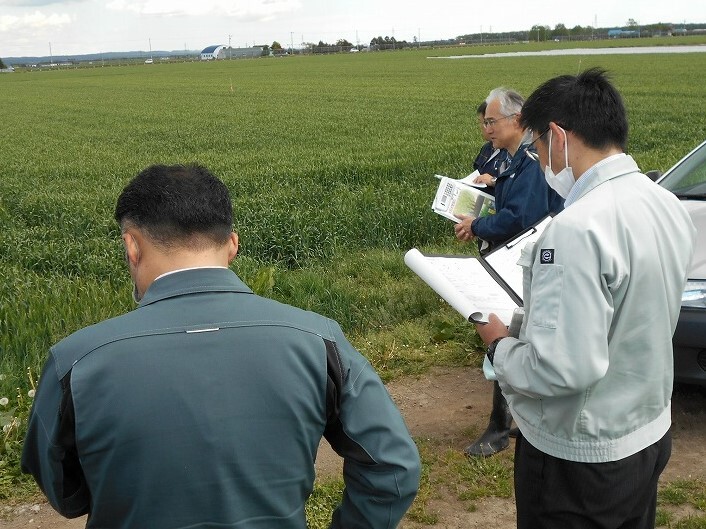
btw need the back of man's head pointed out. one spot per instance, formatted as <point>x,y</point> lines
<point>586,104</point>
<point>177,205</point>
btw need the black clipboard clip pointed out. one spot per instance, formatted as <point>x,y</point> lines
<point>521,237</point>
<point>477,318</point>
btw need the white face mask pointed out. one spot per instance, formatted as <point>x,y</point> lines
<point>564,180</point>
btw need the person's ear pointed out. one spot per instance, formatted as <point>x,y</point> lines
<point>232,246</point>
<point>132,248</point>
<point>557,137</point>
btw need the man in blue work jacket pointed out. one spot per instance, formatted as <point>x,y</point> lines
<point>522,197</point>
<point>205,406</point>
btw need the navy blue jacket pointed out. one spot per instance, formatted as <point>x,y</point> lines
<point>522,197</point>
<point>485,162</point>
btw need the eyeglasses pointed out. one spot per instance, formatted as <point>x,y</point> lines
<point>533,155</point>
<point>491,122</point>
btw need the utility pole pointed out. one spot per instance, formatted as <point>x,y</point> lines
<point>291,43</point>
<point>51,57</point>
<point>230,49</point>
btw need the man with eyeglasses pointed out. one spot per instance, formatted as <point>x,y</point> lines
<point>522,198</point>
<point>589,379</point>
<point>489,158</point>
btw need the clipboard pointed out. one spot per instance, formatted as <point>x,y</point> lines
<point>501,262</point>
<point>477,286</point>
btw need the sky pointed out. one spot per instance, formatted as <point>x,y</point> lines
<point>72,27</point>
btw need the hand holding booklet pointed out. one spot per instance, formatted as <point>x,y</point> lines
<point>461,197</point>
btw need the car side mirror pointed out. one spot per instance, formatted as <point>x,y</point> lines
<point>654,174</point>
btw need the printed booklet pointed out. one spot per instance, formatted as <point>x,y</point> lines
<point>461,197</point>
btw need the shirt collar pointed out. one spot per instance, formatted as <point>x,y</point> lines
<point>184,269</point>
<point>586,179</point>
<point>193,281</point>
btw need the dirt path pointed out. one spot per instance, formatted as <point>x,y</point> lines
<point>441,406</point>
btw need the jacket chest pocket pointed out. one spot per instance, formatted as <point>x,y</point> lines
<point>525,261</point>
<point>542,283</point>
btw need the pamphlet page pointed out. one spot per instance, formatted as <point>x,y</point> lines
<point>456,197</point>
<point>470,179</point>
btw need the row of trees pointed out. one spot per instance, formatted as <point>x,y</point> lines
<point>377,43</point>
<point>536,33</point>
<point>582,32</point>
<point>540,32</point>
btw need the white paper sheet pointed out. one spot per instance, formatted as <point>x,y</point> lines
<point>464,284</point>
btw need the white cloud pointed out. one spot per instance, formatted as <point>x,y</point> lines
<point>29,3</point>
<point>258,9</point>
<point>33,21</point>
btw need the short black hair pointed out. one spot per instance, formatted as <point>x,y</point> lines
<point>177,205</point>
<point>586,104</point>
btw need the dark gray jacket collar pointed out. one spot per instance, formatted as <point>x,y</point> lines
<point>192,281</point>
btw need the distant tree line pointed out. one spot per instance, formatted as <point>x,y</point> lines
<point>540,32</point>
<point>343,45</point>
<point>389,43</point>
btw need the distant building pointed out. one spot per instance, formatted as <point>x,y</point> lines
<point>239,53</point>
<point>213,52</point>
<point>622,33</point>
<point>223,52</point>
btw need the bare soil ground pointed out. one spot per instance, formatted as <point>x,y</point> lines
<point>444,405</point>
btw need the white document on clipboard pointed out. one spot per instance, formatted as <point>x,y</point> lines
<point>503,259</point>
<point>478,286</point>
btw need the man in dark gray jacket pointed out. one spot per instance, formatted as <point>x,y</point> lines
<point>204,407</point>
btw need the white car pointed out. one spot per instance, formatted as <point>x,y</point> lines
<point>687,180</point>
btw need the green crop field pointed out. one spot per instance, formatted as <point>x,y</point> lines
<point>329,160</point>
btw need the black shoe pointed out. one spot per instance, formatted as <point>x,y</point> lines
<point>488,444</point>
<point>495,438</point>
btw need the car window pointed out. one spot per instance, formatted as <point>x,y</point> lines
<point>688,178</point>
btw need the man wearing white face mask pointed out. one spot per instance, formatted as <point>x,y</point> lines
<point>563,181</point>
<point>589,379</point>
